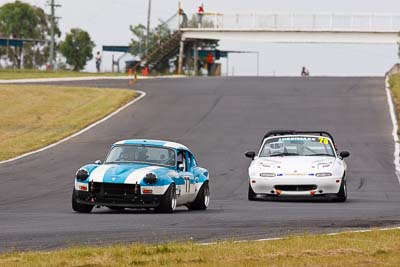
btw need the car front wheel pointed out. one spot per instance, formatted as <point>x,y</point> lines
<point>202,199</point>
<point>81,208</point>
<point>251,195</point>
<point>341,196</point>
<point>168,201</point>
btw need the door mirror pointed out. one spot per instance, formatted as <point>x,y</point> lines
<point>98,162</point>
<point>250,154</point>
<point>181,167</point>
<point>344,154</point>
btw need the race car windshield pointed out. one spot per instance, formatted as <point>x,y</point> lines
<point>142,154</point>
<point>297,146</point>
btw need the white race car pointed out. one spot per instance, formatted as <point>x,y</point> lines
<point>293,163</point>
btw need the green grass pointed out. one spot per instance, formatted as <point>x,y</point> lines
<point>394,83</point>
<point>376,248</point>
<point>8,74</point>
<point>33,116</point>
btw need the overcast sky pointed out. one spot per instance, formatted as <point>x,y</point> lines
<point>108,23</point>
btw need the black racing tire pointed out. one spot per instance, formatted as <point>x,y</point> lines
<point>114,208</point>
<point>202,199</point>
<point>168,201</point>
<point>81,208</point>
<point>251,195</point>
<point>341,196</point>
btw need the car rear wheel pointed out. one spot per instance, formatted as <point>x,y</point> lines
<point>251,195</point>
<point>202,199</point>
<point>342,194</point>
<point>168,201</point>
<point>81,208</point>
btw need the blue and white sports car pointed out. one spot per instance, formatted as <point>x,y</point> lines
<point>143,174</point>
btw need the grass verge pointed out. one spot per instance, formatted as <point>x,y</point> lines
<point>33,116</point>
<point>394,84</point>
<point>376,248</point>
<point>10,74</point>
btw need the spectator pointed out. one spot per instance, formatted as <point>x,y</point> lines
<point>184,18</point>
<point>200,14</point>
<point>305,72</point>
<point>210,62</point>
<point>98,61</point>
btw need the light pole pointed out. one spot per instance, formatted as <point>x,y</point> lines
<point>148,26</point>
<point>179,14</point>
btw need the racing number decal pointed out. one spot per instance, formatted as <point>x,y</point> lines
<point>187,183</point>
<point>323,140</point>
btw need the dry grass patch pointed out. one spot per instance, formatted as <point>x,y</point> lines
<point>33,116</point>
<point>377,248</point>
<point>8,74</point>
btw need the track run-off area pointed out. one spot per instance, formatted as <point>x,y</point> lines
<point>218,119</point>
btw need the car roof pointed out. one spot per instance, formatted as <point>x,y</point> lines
<point>149,142</point>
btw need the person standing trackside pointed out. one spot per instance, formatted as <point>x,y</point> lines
<point>305,72</point>
<point>200,14</point>
<point>98,61</point>
<point>210,62</point>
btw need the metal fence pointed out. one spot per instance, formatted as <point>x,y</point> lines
<point>361,22</point>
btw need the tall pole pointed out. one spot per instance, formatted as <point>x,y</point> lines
<point>258,63</point>
<point>148,26</point>
<point>227,64</point>
<point>52,5</point>
<point>179,14</point>
<point>180,60</point>
<point>195,58</point>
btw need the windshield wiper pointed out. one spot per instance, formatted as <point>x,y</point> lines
<point>321,154</point>
<point>284,154</point>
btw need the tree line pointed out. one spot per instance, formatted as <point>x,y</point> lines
<point>31,24</point>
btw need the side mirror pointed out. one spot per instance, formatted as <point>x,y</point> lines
<point>344,154</point>
<point>250,154</point>
<point>98,162</point>
<point>181,167</point>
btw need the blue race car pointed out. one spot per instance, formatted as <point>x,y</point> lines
<point>143,174</point>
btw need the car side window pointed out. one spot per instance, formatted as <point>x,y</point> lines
<point>182,160</point>
<point>192,160</point>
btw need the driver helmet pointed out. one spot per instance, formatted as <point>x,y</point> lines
<point>125,155</point>
<point>277,147</point>
<point>142,154</point>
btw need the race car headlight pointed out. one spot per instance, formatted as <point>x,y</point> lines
<point>150,178</point>
<point>82,174</point>
<point>323,174</point>
<point>267,174</point>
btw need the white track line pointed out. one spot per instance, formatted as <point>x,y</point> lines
<point>284,238</point>
<point>142,94</point>
<point>393,117</point>
<point>41,80</point>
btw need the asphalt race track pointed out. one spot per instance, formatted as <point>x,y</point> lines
<point>219,119</point>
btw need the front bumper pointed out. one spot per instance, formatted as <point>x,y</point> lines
<point>296,186</point>
<point>127,196</point>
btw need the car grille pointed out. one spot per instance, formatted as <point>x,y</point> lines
<point>299,187</point>
<point>109,189</point>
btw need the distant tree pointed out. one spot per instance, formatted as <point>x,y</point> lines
<point>22,20</point>
<point>77,48</point>
<point>138,42</point>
